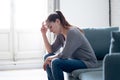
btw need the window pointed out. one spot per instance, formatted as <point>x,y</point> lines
<point>28,17</point>
<point>5,14</point>
<point>5,23</point>
<point>20,37</point>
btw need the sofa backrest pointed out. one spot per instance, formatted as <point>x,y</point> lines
<point>100,39</point>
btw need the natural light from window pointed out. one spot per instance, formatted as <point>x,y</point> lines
<point>5,14</point>
<point>20,23</point>
<point>29,14</point>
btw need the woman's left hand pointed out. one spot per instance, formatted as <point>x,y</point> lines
<point>47,62</point>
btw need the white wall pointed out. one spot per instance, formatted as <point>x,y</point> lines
<point>86,13</point>
<point>115,12</point>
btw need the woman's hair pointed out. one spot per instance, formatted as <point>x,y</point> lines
<point>58,15</point>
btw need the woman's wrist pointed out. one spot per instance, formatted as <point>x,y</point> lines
<point>43,34</point>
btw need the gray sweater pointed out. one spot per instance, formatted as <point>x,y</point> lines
<point>76,47</point>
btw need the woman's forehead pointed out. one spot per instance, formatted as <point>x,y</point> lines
<point>49,23</point>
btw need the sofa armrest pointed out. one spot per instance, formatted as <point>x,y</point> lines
<point>112,66</point>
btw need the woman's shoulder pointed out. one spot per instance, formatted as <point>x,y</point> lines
<point>75,29</point>
<point>72,29</point>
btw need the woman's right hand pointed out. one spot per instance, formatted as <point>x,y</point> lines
<point>43,28</point>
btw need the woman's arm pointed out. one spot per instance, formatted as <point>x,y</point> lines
<point>45,39</point>
<point>57,43</point>
<point>48,60</point>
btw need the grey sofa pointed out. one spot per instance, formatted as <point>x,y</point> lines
<point>100,40</point>
<point>112,67</point>
<point>112,61</point>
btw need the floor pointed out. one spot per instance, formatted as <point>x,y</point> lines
<point>30,74</point>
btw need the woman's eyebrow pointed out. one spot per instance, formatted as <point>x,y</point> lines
<point>48,25</point>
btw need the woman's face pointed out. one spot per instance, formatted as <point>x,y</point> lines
<point>54,27</point>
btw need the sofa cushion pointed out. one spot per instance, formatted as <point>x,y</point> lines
<point>93,75</point>
<point>100,39</point>
<point>78,72</point>
<point>115,42</point>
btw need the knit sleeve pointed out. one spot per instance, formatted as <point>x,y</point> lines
<point>58,43</point>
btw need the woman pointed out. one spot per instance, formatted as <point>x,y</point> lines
<point>76,54</point>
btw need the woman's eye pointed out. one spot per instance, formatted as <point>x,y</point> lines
<point>50,27</point>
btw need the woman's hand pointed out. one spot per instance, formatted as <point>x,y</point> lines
<point>43,28</point>
<point>47,62</point>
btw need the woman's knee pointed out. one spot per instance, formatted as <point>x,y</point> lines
<point>55,62</point>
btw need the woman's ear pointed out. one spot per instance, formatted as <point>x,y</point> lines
<point>57,21</point>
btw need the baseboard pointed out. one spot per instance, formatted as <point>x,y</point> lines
<point>23,64</point>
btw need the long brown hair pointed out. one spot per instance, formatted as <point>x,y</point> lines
<point>58,15</point>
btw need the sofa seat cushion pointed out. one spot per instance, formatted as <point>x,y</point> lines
<point>93,75</point>
<point>78,72</point>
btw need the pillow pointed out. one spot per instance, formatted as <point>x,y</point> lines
<point>115,42</point>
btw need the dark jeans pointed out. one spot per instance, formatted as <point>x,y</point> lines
<point>55,70</point>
